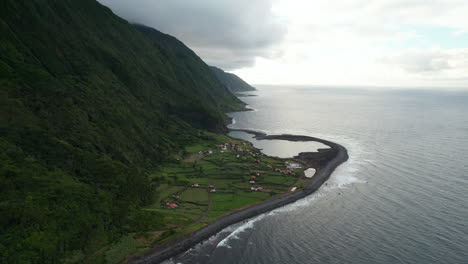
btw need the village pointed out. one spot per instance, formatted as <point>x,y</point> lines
<point>214,178</point>
<point>245,152</point>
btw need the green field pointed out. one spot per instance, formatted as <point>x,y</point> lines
<point>228,171</point>
<point>189,182</point>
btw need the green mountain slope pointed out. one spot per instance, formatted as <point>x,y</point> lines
<point>88,106</point>
<point>231,81</point>
<point>187,67</point>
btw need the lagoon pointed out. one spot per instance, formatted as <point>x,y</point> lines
<point>279,148</point>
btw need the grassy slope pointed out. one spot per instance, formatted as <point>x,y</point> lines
<point>232,81</point>
<point>88,106</point>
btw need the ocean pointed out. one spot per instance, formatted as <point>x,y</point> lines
<point>401,198</point>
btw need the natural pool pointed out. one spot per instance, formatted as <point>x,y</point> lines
<point>279,148</point>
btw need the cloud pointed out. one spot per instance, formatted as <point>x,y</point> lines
<point>419,62</point>
<point>376,43</point>
<point>373,20</point>
<point>229,33</point>
<point>429,61</point>
<point>353,42</point>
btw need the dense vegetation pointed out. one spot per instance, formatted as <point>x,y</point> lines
<point>89,105</point>
<point>232,81</point>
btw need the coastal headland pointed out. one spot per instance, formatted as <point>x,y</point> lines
<point>325,161</point>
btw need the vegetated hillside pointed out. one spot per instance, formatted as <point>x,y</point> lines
<point>88,106</point>
<point>232,81</point>
<point>187,66</point>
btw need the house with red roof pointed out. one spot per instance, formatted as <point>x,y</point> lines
<point>172,205</point>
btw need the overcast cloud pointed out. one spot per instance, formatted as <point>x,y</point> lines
<point>332,42</point>
<point>429,61</point>
<point>226,33</point>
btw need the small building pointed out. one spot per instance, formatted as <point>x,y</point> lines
<point>195,185</point>
<point>222,147</point>
<point>256,189</point>
<point>252,182</point>
<point>293,166</point>
<point>172,205</point>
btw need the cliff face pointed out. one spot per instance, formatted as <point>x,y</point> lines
<point>232,81</point>
<point>88,104</point>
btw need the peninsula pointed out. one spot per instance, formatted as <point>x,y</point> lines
<point>324,161</point>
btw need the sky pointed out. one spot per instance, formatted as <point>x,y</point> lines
<point>404,43</point>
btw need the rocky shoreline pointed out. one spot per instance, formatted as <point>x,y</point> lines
<point>325,161</point>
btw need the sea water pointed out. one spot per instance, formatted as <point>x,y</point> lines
<point>401,198</point>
